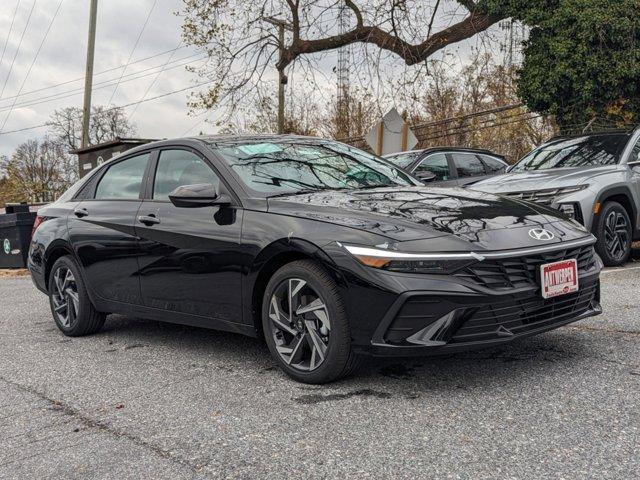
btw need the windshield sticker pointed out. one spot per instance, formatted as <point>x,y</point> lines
<point>260,148</point>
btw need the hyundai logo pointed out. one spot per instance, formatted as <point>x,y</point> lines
<point>541,234</point>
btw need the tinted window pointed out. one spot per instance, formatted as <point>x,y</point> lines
<point>436,164</point>
<point>468,165</point>
<point>403,160</point>
<point>180,167</point>
<point>493,164</point>
<point>574,152</point>
<point>288,167</point>
<point>122,180</point>
<point>635,153</point>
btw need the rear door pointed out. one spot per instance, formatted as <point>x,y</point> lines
<point>102,229</point>
<point>191,256</point>
<point>469,168</point>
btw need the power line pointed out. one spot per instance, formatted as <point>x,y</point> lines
<point>107,71</point>
<point>6,42</point>
<point>146,92</point>
<point>35,57</point>
<point>97,86</point>
<point>120,106</point>
<point>135,45</point>
<point>18,48</point>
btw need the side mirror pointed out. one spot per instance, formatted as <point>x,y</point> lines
<point>200,195</point>
<point>426,176</point>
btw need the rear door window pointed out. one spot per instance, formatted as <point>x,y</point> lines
<point>468,165</point>
<point>122,180</point>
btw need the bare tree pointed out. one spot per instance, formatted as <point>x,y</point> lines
<point>38,171</point>
<point>106,124</point>
<point>242,46</point>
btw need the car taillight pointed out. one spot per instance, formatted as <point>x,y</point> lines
<point>36,224</point>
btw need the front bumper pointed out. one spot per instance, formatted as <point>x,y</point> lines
<point>491,302</point>
<point>424,323</point>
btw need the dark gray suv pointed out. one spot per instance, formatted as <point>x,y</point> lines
<point>595,179</point>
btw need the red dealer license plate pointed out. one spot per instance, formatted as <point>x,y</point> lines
<point>559,278</point>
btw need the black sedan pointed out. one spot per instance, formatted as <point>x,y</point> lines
<point>327,252</point>
<point>450,166</point>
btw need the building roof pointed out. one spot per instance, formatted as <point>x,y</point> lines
<point>113,143</point>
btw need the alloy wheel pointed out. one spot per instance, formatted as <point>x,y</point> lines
<point>616,235</point>
<point>66,301</point>
<point>300,324</point>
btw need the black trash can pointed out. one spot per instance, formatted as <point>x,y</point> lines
<point>15,235</point>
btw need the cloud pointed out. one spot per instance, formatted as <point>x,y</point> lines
<point>62,59</point>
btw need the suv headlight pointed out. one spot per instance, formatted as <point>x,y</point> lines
<point>568,190</point>
<point>393,261</point>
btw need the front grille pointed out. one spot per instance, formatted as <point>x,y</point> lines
<point>521,272</point>
<point>524,313</point>
<point>544,197</point>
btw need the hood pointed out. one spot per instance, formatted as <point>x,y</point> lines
<point>418,213</point>
<point>539,179</point>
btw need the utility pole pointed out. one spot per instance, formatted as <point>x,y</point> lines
<point>88,78</point>
<point>282,79</point>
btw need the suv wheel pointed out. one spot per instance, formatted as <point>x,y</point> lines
<point>614,235</point>
<point>305,324</point>
<point>72,310</point>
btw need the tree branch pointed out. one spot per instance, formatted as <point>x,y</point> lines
<point>410,53</point>
<point>356,11</point>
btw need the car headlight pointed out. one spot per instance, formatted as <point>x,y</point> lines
<point>573,189</point>
<point>394,261</point>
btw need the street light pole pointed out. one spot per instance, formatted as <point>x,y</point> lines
<point>282,79</point>
<point>88,78</point>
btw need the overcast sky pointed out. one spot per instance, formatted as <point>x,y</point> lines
<point>62,59</point>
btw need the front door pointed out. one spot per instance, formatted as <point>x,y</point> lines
<point>190,261</point>
<point>102,231</point>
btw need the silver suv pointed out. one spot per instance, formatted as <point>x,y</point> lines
<point>594,178</point>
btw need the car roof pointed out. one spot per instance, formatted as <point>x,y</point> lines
<point>608,133</point>
<point>449,149</point>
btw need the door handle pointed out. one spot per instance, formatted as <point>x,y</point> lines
<point>80,212</point>
<point>148,220</point>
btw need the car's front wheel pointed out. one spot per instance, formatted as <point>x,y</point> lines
<point>71,307</point>
<point>305,324</point>
<point>614,235</point>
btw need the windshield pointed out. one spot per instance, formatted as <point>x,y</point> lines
<point>296,166</point>
<point>574,152</point>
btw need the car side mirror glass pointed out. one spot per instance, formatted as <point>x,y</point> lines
<point>426,176</point>
<point>199,195</point>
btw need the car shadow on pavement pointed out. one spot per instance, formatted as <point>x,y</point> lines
<point>380,377</point>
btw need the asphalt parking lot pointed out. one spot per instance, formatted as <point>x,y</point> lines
<point>149,400</point>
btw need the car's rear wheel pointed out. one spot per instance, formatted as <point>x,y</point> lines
<point>71,307</point>
<point>614,234</point>
<point>305,324</point>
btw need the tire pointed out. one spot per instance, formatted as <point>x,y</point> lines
<point>79,316</point>
<point>614,234</point>
<point>292,342</point>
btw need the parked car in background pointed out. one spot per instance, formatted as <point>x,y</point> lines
<point>594,179</point>
<point>327,252</point>
<point>450,166</point>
